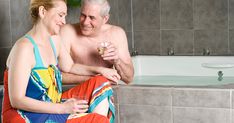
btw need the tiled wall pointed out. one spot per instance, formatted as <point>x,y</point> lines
<point>185,27</point>
<point>153,27</point>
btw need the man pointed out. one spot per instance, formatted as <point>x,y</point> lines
<point>83,39</point>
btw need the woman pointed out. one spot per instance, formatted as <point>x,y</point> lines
<point>32,81</point>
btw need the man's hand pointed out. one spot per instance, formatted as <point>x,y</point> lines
<point>110,74</point>
<point>110,53</point>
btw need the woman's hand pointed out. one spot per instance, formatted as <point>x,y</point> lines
<point>73,105</point>
<point>110,74</point>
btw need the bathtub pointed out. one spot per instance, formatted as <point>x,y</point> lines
<point>183,70</point>
<point>178,89</point>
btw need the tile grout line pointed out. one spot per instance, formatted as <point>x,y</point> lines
<point>230,106</point>
<point>172,111</point>
<point>160,29</point>
<point>10,23</point>
<point>193,29</point>
<point>133,34</point>
<point>229,51</point>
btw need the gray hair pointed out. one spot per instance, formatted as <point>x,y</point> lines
<point>105,6</point>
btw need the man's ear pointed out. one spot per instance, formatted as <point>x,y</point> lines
<point>106,18</point>
<point>41,11</point>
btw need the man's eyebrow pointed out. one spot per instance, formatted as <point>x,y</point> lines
<point>90,16</point>
<point>82,14</point>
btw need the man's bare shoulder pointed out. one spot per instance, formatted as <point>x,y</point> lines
<point>69,33</point>
<point>69,28</point>
<point>114,28</point>
<point>116,32</point>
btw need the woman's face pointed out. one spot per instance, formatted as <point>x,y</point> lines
<point>55,17</point>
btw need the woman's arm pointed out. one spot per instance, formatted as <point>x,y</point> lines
<point>21,62</point>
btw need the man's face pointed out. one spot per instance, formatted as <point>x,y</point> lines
<point>90,19</point>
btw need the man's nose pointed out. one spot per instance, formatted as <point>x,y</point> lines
<point>86,20</point>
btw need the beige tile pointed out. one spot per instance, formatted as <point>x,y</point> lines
<point>201,98</point>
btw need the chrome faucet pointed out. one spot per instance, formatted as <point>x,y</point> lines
<point>206,52</point>
<point>134,53</point>
<point>170,51</point>
<point>220,75</point>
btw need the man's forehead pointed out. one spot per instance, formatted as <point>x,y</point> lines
<point>90,11</point>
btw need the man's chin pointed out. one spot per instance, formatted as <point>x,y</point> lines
<point>86,33</point>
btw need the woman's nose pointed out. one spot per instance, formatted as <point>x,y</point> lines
<point>64,20</point>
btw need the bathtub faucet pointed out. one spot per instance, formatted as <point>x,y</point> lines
<point>170,51</point>
<point>134,53</point>
<point>206,52</point>
<point>220,75</point>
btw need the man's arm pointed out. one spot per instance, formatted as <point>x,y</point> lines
<point>67,34</point>
<point>119,54</point>
<point>69,78</point>
<point>125,70</point>
<point>66,64</point>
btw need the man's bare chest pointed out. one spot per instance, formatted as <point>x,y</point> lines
<point>87,54</point>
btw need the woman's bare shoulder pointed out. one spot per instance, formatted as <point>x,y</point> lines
<point>22,47</point>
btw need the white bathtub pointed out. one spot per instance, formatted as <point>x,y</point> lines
<point>183,70</point>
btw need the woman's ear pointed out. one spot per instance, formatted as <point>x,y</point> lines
<point>41,11</point>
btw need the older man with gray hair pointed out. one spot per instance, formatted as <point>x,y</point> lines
<point>94,42</point>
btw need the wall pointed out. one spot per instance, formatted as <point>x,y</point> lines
<point>153,27</point>
<point>187,27</point>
